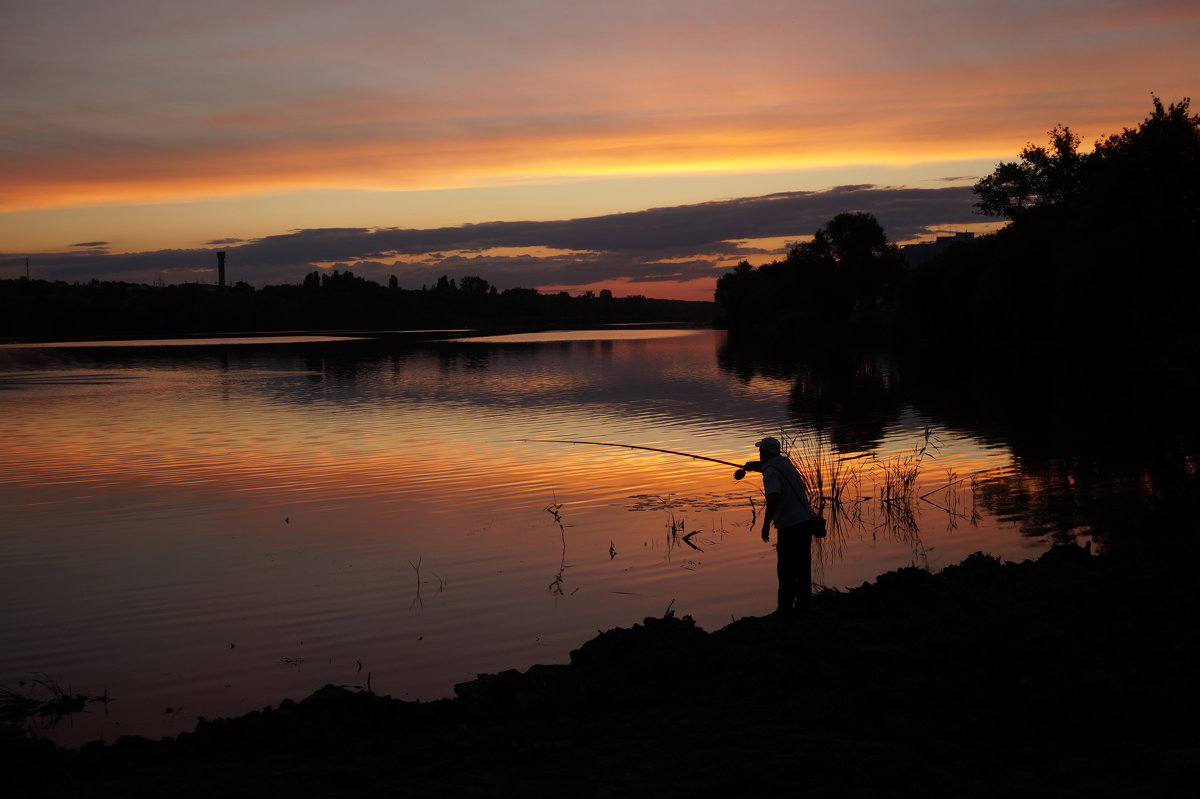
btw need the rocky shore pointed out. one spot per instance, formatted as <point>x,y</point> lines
<point>1070,676</point>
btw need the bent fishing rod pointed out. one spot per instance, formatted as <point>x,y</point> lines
<point>738,475</point>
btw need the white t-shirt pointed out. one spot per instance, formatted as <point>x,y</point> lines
<point>780,477</point>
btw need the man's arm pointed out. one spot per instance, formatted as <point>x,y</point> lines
<point>769,514</point>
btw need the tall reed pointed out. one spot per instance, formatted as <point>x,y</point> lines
<point>832,479</point>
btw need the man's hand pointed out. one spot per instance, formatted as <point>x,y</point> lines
<point>766,533</point>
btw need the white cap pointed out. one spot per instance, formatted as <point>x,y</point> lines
<point>769,444</point>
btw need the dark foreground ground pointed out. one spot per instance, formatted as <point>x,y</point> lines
<point>1069,676</point>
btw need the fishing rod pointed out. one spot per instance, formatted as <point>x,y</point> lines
<point>738,475</point>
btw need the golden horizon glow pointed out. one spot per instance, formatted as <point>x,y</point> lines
<point>186,171</point>
<point>257,172</point>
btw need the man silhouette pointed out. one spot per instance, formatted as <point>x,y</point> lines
<point>795,525</point>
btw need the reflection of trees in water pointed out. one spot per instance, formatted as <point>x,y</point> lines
<point>854,398</point>
<point>1118,504</point>
<point>1093,453</point>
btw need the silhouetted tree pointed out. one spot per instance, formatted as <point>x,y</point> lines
<point>734,289</point>
<point>1099,261</point>
<point>848,266</point>
<point>865,266</point>
<point>474,285</point>
<point>1044,177</point>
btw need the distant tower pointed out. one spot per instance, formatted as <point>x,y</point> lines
<point>221,270</point>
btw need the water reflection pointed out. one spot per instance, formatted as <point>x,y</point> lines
<point>370,502</point>
<point>854,399</point>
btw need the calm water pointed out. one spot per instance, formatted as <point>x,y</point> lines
<point>203,530</point>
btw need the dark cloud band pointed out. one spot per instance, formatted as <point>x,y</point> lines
<point>679,243</point>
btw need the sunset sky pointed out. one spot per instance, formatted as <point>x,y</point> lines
<point>640,145</point>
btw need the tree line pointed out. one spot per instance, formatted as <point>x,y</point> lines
<point>337,300</point>
<point>1100,258</point>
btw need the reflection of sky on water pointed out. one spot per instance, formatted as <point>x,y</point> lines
<point>372,501</point>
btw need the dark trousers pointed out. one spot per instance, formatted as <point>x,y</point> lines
<point>793,545</point>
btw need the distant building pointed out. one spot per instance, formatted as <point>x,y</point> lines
<point>920,253</point>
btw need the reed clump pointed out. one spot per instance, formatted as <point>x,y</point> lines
<point>899,483</point>
<point>867,493</point>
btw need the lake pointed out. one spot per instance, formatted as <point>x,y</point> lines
<point>200,528</point>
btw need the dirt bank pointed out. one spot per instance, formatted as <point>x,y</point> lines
<point>1072,675</point>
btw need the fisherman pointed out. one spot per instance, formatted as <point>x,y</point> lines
<point>796,523</point>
